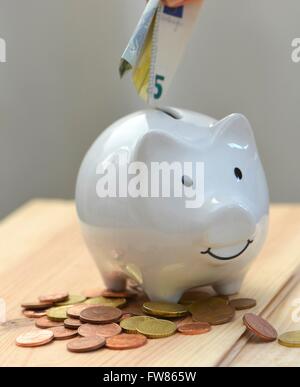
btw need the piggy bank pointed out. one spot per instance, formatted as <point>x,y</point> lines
<point>136,226</point>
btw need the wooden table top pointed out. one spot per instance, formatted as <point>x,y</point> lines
<point>41,251</point>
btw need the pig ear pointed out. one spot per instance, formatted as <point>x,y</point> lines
<point>235,129</point>
<point>157,146</point>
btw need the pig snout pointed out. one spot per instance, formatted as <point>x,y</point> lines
<point>229,226</point>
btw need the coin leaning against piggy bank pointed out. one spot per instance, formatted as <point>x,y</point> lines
<point>170,243</point>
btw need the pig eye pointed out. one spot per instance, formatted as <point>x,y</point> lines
<point>187,181</point>
<point>238,173</point>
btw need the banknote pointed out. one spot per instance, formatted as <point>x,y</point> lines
<point>133,50</point>
<point>157,46</point>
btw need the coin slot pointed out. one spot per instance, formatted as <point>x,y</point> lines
<point>170,112</point>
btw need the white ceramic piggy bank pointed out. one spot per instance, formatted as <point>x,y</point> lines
<point>169,244</point>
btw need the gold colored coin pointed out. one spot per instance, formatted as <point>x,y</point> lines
<point>156,329</point>
<point>214,302</point>
<point>58,313</point>
<point>164,309</point>
<point>290,339</point>
<point>104,301</point>
<point>72,300</point>
<point>215,311</point>
<point>129,325</point>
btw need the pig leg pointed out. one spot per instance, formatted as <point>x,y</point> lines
<point>158,290</point>
<point>229,287</point>
<point>114,281</point>
<point>157,295</point>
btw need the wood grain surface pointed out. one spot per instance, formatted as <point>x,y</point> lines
<point>42,251</point>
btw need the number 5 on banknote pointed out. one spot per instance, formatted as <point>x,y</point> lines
<point>159,86</point>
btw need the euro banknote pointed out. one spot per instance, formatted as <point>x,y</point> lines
<point>157,47</point>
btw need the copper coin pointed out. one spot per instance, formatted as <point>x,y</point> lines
<point>35,338</point>
<point>134,308</point>
<point>74,311</point>
<point>45,322</point>
<point>260,327</point>
<point>72,323</point>
<point>126,341</point>
<point>73,299</point>
<point>100,314</point>
<point>215,311</point>
<point>183,321</point>
<point>37,305</point>
<point>86,344</point>
<point>62,333</point>
<point>34,313</point>
<point>53,298</point>
<point>192,296</point>
<point>106,330</point>
<point>243,303</point>
<point>196,328</point>
<point>125,294</point>
<point>92,293</point>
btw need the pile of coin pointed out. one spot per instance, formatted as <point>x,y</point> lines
<point>125,320</point>
<point>260,327</point>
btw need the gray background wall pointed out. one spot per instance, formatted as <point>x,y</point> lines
<point>60,86</point>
